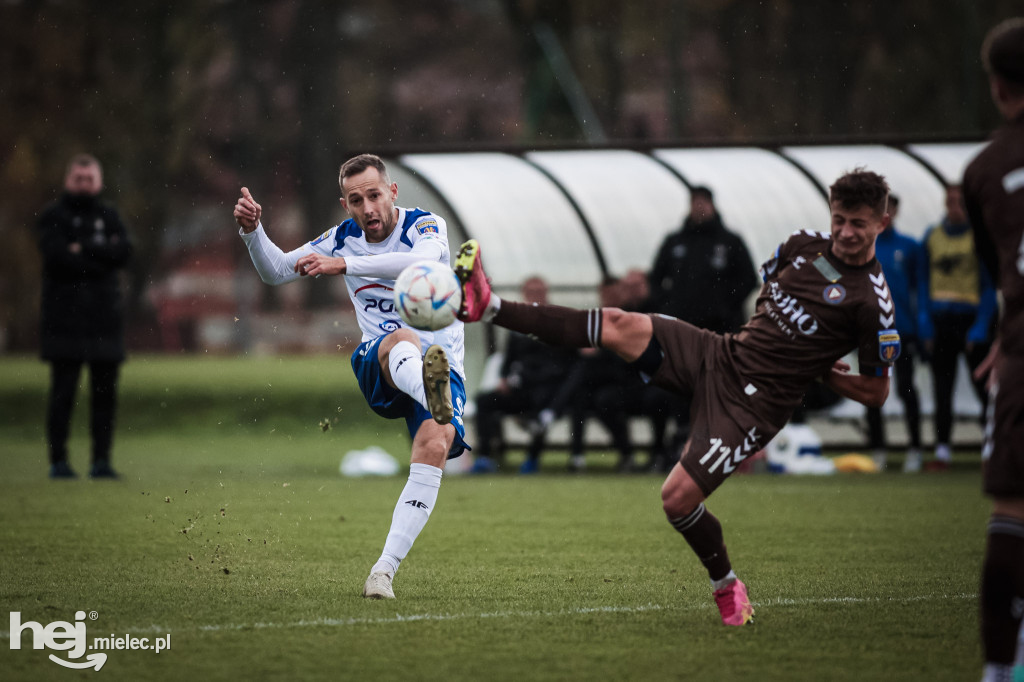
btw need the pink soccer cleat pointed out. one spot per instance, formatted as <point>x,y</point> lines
<point>734,604</point>
<point>476,289</point>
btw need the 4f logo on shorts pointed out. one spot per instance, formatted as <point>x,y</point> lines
<point>729,457</point>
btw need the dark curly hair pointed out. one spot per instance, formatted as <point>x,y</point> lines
<point>860,187</point>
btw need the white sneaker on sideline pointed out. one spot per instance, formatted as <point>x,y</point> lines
<point>912,463</point>
<point>378,586</point>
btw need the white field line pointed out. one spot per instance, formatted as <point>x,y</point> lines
<point>583,611</point>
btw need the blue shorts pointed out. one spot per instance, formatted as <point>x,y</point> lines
<point>392,403</point>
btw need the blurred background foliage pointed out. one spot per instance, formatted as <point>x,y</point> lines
<point>186,101</point>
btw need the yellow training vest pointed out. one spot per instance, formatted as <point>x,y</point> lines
<point>953,267</point>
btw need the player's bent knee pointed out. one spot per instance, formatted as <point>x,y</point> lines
<point>392,339</point>
<point>680,494</point>
<point>432,443</point>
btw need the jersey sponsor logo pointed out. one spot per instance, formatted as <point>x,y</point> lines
<point>388,326</point>
<point>834,294</point>
<point>787,312</point>
<point>426,226</point>
<point>888,345</point>
<point>372,286</point>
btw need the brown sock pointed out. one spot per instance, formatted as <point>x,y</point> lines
<point>1002,589</point>
<point>552,324</point>
<point>704,534</point>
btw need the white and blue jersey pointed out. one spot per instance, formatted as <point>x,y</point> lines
<point>370,273</point>
<point>371,283</point>
<point>371,270</point>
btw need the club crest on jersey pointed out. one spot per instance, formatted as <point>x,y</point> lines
<point>428,226</point>
<point>834,294</point>
<point>888,345</point>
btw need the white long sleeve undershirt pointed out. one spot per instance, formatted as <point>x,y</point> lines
<point>277,267</point>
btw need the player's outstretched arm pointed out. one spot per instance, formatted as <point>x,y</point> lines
<point>867,390</point>
<point>273,265</point>
<point>247,212</point>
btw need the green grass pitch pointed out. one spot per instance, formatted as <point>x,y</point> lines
<point>233,532</point>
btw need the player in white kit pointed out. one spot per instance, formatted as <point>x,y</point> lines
<point>398,379</point>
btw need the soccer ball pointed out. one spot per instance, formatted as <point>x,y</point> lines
<point>428,295</point>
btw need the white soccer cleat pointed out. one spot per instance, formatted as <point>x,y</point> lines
<point>378,586</point>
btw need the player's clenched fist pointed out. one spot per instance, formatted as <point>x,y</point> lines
<point>247,211</point>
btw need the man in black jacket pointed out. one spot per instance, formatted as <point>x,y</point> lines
<point>84,244</point>
<point>703,273</point>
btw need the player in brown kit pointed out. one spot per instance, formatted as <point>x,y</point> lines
<point>994,195</point>
<point>823,296</point>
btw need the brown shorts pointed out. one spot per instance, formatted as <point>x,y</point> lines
<point>729,420</point>
<point>1003,452</point>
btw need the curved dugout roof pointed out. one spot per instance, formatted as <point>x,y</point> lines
<point>759,195</point>
<point>921,194</point>
<point>572,216</point>
<point>629,201</point>
<point>413,192</point>
<point>948,160</point>
<point>525,224</point>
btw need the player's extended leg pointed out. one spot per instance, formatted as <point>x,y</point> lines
<point>424,378</point>
<point>683,502</point>
<point>627,334</point>
<point>430,449</point>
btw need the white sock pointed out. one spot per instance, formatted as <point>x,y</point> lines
<point>411,514</point>
<point>406,364</point>
<point>716,585</point>
<point>943,452</point>
<point>492,308</point>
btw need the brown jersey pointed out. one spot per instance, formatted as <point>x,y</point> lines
<point>812,310</point>
<point>994,195</point>
<point>993,189</point>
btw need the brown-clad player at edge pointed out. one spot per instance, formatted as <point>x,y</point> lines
<point>824,295</point>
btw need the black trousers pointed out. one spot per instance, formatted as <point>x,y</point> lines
<point>904,367</point>
<point>950,343</point>
<point>64,375</point>
<point>491,407</point>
